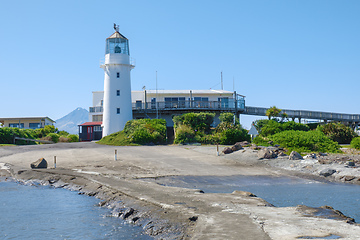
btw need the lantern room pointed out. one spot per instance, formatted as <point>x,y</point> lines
<point>117,43</point>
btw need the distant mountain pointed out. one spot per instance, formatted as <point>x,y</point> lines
<point>71,121</point>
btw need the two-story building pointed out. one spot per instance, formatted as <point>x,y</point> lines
<point>164,104</point>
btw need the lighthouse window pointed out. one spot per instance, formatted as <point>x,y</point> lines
<point>117,92</point>
<point>118,110</point>
<point>118,75</point>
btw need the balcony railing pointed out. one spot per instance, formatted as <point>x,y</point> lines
<point>229,104</point>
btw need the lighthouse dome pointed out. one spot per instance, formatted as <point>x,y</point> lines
<point>117,43</point>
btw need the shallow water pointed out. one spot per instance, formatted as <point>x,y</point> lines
<point>38,212</point>
<point>280,191</point>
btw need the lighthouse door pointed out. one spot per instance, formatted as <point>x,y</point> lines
<point>90,133</point>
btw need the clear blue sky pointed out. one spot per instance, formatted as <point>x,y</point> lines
<point>291,54</point>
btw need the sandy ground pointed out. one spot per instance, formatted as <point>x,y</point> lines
<point>171,212</point>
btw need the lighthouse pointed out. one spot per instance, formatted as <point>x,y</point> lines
<point>117,85</point>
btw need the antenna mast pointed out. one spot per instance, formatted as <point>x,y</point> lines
<point>222,85</point>
<point>157,111</point>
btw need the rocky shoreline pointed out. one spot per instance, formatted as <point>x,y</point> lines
<point>172,212</point>
<point>121,206</point>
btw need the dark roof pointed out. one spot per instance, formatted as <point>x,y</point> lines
<point>91,124</point>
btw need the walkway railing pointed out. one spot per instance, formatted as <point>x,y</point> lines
<point>303,114</point>
<point>229,104</point>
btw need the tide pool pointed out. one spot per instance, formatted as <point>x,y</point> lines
<point>38,212</point>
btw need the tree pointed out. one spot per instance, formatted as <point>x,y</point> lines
<point>273,112</point>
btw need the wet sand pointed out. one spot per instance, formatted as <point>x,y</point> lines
<point>172,212</point>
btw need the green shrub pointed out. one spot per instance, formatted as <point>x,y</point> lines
<point>196,127</point>
<point>197,121</point>
<point>301,141</point>
<point>184,134</point>
<point>261,141</point>
<point>291,125</point>
<point>338,132</point>
<point>355,143</point>
<point>144,131</point>
<point>226,117</point>
<point>54,137</point>
<point>63,133</point>
<point>233,134</point>
<point>138,131</point>
<point>7,135</point>
<point>73,137</point>
<point>272,127</point>
<point>116,139</point>
<point>259,124</point>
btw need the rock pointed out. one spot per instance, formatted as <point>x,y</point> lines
<point>227,150</point>
<point>128,213</point>
<point>243,144</point>
<point>266,154</point>
<point>322,154</point>
<point>277,145</point>
<point>254,146</point>
<point>270,142</point>
<point>243,193</point>
<point>41,163</point>
<point>348,178</point>
<point>236,147</point>
<point>350,164</point>
<point>295,156</point>
<point>310,156</point>
<point>282,154</point>
<point>327,172</point>
<point>193,219</point>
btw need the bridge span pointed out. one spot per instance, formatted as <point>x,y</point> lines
<point>237,106</point>
<point>353,119</point>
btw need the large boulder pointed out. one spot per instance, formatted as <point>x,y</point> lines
<point>227,150</point>
<point>266,154</point>
<point>236,147</point>
<point>327,172</point>
<point>311,156</point>
<point>295,156</point>
<point>40,163</point>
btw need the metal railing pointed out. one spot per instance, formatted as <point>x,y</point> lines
<point>230,104</point>
<point>304,114</point>
<point>95,109</point>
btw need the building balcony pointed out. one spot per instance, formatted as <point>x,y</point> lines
<point>226,105</point>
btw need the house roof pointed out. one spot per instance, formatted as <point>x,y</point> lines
<point>91,124</point>
<point>117,35</point>
<point>26,118</point>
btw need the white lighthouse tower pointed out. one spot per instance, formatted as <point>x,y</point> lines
<point>117,86</point>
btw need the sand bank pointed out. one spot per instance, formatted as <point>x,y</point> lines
<point>172,212</point>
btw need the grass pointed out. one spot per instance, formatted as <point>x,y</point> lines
<point>6,145</point>
<point>345,146</point>
<point>117,139</point>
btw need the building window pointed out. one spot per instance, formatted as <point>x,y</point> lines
<point>117,92</point>
<point>118,75</point>
<point>16,125</point>
<point>34,125</point>
<point>118,110</point>
<point>97,118</point>
<point>97,128</point>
